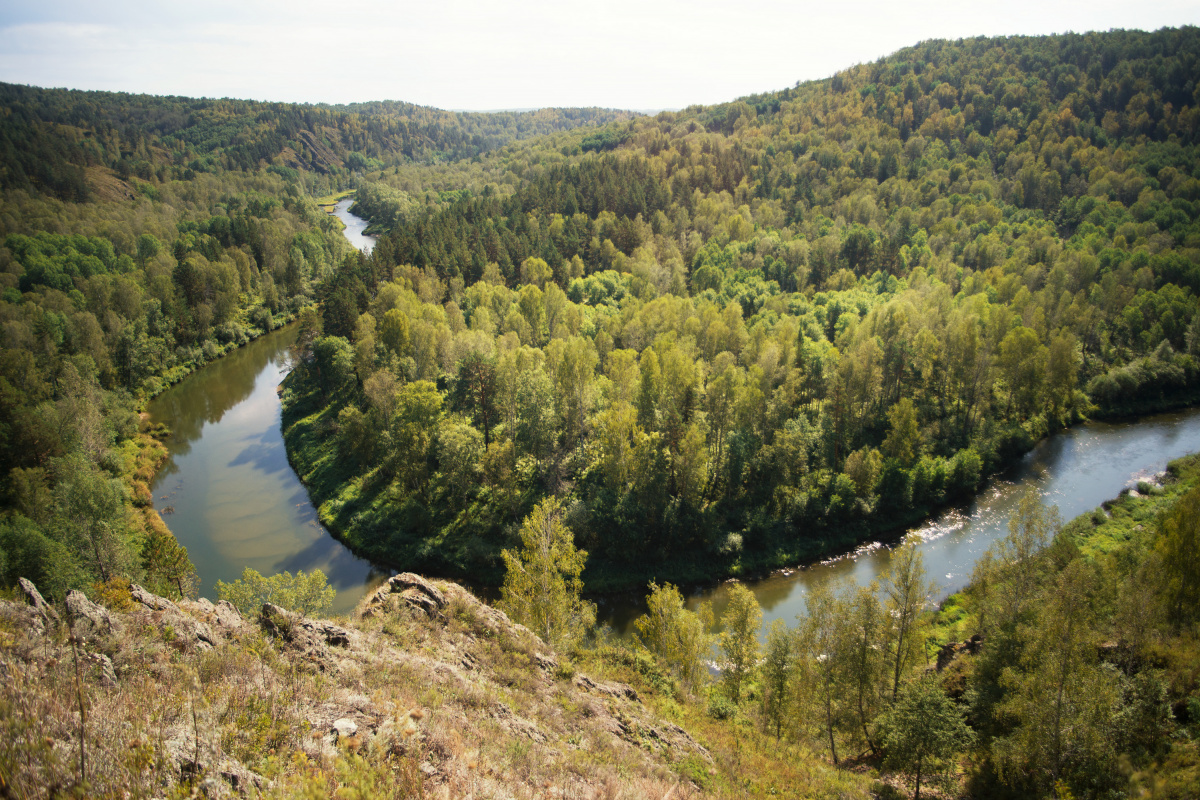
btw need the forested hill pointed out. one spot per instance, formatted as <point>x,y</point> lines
<point>49,137</point>
<point>735,336</point>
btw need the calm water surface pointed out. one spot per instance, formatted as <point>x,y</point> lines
<point>1076,471</point>
<point>228,493</point>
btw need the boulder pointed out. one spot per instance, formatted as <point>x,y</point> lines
<point>312,637</point>
<point>88,620</point>
<point>190,633</point>
<point>345,728</point>
<point>412,590</point>
<point>35,599</point>
<point>224,615</point>
<point>148,599</point>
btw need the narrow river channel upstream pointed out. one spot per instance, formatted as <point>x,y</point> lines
<point>230,496</point>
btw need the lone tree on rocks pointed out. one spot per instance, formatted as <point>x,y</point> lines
<point>542,586</point>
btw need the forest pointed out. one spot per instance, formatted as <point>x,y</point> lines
<point>642,352</point>
<point>1066,668</point>
<point>143,237</point>
<point>733,338</point>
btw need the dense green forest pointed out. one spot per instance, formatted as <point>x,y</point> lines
<point>141,238</point>
<point>734,337</point>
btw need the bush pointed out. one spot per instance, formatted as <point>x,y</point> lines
<point>966,468</point>
<point>261,318</point>
<point>305,594</point>
<point>720,706</point>
<point>114,593</point>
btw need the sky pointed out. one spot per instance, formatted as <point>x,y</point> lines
<point>632,54</point>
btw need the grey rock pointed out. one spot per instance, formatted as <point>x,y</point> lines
<point>34,598</point>
<point>88,619</point>
<point>229,617</point>
<point>104,666</point>
<point>149,599</point>
<point>417,592</point>
<point>224,614</point>
<point>310,636</point>
<point>190,633</point>
<point>622,691</point>
<point>241,779</point>
<point>345,728</point>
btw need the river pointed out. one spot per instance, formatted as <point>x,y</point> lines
<point>227,491</point>
<point>1075,470</point>
<point>355,226</point>
<point>230,496</point>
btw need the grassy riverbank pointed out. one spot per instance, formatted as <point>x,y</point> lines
<point>330,200</point>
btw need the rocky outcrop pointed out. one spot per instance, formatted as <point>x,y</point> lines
<point>404,589</point>
<point>43,613</point>
<point>88,620</point>
<point>952,650</point>
<point>618,690</point>
<point>443,685</point>
<point>188,632</point>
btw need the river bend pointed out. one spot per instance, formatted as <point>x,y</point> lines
<point>230,496</point>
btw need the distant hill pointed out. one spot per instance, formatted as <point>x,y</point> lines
<point>50,137</point>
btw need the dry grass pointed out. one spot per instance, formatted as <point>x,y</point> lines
<point>461,705</point>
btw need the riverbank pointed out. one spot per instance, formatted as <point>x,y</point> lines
<point>330,200</point>
<point>180,371</point>
<point>1077,469</point>
<point>463,540</point>
<point>1077,658</point>
<point>1124,523</point>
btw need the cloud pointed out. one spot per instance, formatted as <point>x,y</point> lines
<point>458,54</point>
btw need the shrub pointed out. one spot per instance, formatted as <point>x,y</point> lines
<point>720,706</point>
<point>306,594</point>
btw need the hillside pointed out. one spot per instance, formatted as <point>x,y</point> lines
<point>52,139</point>
<point>426,693</point>
<point>738,337</point>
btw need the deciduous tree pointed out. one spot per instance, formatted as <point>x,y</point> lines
<point>541,586</point>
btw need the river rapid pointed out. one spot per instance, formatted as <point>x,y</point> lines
<point>1075,470</point>
<point>230,496</point>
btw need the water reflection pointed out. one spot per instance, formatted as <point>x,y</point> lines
<point>228,492</point>
<point>1076,471</point>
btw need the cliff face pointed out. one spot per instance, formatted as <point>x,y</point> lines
<point>425,692</point>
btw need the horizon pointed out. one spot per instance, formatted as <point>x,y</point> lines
<point>505,56</point>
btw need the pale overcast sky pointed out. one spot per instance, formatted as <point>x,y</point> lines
<point>639,54</point>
